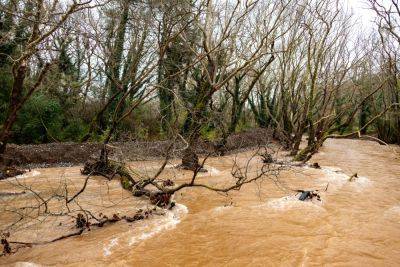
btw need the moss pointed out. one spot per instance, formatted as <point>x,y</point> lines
<point>126,183</point>
<point>301,155</point>
<point>209,134</point>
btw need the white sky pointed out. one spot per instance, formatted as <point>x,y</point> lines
<point>364,15</point>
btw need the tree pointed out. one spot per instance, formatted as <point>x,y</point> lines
<point>39,32</point>
<point>388,23</point>
<point>221,55</point>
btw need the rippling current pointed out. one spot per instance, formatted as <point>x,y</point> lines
<point>356,223</point>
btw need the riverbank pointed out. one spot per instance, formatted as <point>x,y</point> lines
<point>72,154</point>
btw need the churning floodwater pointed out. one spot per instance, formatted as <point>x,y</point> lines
<point>356,223</point>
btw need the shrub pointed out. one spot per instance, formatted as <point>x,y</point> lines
<point>39,121</point>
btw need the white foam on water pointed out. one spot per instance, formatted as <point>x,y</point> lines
<point>393,212</point>
<point>171,166</point>
<point>212,170</point>
<point>305,257</point>
<point>167,222</point>
<point>334,176</point>
<point>26,264</point>
<point>337,179</point>
<point>107,248</point>
<point>332,169</point>
<point>292,202</point>
<point>28,174</point>
<point>395,209</point>
<point>360,183</point>
<point>221,209</point>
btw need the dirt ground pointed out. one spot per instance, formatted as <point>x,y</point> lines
<point>69,154</point>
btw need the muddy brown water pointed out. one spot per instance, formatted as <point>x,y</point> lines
<point>356,223</point>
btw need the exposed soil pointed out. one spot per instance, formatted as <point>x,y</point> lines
<point>69,154</point>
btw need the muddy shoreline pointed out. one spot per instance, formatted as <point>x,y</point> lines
<point>72,154</point>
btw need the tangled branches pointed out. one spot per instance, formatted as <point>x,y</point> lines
<point>156,188</point>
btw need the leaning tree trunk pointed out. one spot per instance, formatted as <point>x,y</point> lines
<point>190,160</point>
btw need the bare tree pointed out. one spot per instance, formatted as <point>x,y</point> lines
<point>45,21</point>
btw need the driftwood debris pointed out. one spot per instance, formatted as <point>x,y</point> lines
<point>316,165</point>
<point>353,177</point>
<point>267,158</point>
<point>10,194</point>
<point>6,246</point>
<point>82,224</point>
<point>309,195</point>
<point>10,171</point>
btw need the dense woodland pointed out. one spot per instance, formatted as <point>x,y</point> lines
<point>98,71</point>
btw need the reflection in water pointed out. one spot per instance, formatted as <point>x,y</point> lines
<point>356,223</point>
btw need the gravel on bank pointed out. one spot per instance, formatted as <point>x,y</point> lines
<point>69,154</point>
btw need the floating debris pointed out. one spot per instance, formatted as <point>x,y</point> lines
<point>305,195</point>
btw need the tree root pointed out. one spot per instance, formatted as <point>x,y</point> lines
<point>190,161</point>
<point>109,169</point>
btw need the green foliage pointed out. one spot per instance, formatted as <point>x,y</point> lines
<point>42,120</point>
<point>208,133</point>
<point>65,64</point>
<point>244,124</point>
<point>74,130</point>
<point>388,129</point>
<point>5,85</point>
<point>39,121</point>
<point>145,123</point>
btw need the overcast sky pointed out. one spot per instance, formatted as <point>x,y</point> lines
<point>362,12</point>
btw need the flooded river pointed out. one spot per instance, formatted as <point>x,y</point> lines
<point>356,223</point>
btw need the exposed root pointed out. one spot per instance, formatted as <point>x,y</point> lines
<point>109,169</point>
<point>190,161</point>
